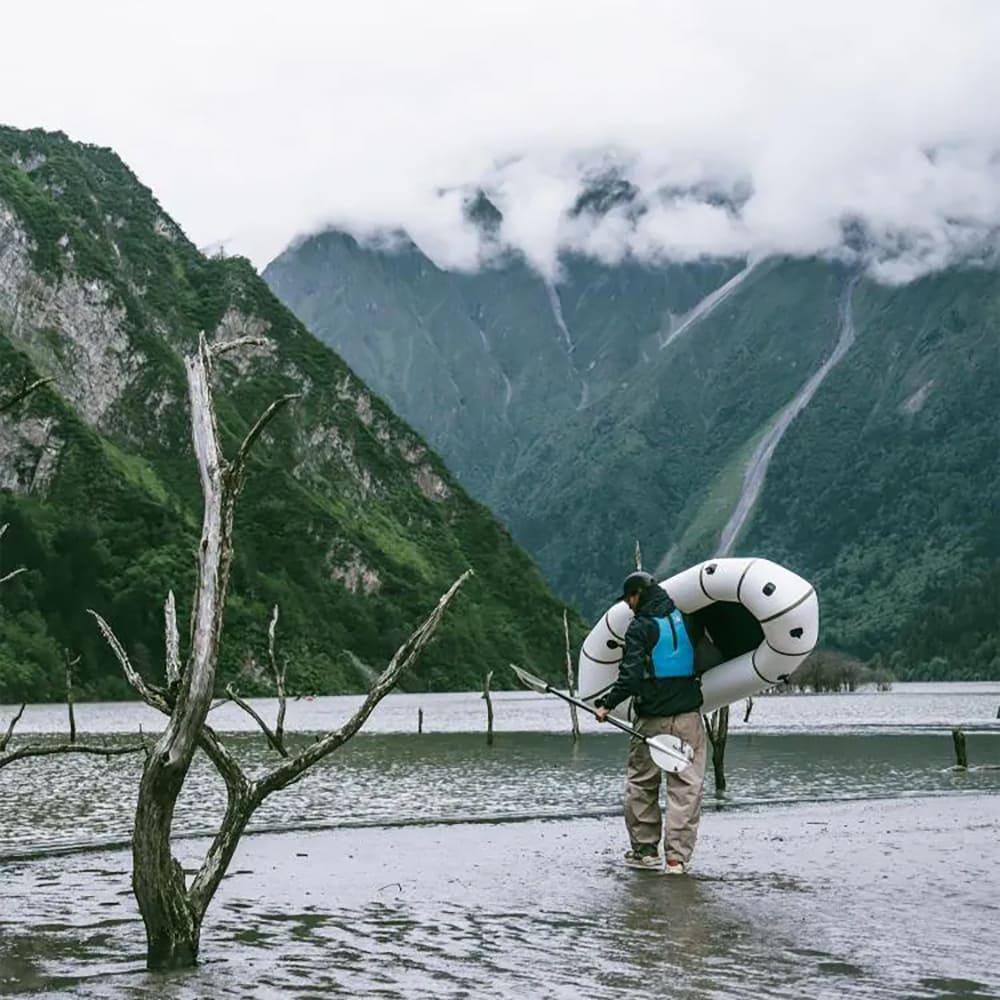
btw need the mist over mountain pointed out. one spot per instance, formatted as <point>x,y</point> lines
<point>797,409</point>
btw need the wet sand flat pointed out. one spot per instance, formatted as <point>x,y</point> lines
<point>874,898</point>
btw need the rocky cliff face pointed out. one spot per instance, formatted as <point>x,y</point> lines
<point>630,401</point>
<point>349,521</point>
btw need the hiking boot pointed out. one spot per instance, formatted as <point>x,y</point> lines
<point>675,867</point>
<point>645,856</point>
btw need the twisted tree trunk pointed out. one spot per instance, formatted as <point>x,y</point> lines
<point>173,911</point>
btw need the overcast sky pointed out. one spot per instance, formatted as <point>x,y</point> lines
<point>255,122</point>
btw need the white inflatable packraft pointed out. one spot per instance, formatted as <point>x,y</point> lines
<point>762,618</point>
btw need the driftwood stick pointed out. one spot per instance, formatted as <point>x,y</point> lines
<point>961,757</point>
<point>489,709</point>
<point>574,719</point>
<point>5,739</point>
<point>70,664</point>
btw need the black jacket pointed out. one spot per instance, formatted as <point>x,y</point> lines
<point>651,695</point>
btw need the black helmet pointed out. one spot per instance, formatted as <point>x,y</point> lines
<point>637,583</point>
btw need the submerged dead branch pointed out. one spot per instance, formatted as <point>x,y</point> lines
<point>279,678</point>
<point>5,739</point>
<point>70,664</point>
<point>574,718</point>
<point>43,750</point>
<point>489,708</point>
<point>37,750</point>
<point>717,729</point>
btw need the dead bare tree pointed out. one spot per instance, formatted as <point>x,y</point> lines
<point>173,910</point>
<point>573,717</point>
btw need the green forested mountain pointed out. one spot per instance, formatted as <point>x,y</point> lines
<point>628,401</point>
<point>348,521</point>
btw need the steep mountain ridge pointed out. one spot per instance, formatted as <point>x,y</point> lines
<point>348,520</point>
<point>687,370</point>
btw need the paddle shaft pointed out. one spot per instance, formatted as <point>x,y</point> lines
<point>617,723</point>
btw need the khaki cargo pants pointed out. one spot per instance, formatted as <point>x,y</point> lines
<point>643,818</point>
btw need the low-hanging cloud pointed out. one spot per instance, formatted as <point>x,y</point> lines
<point>868,131</point>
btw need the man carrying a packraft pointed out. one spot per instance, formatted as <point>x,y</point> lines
<point>658,672</point>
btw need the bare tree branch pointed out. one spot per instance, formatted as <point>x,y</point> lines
<point>279,679</point>
<point>10,576</point>
<point>22,394</point>
<point>172,640</point>
<point>285,774</point>
<point>237,466</point>
<point>34,750</point>
<point>272,737</point>
<point>10,729</point>
<point>151,696</point>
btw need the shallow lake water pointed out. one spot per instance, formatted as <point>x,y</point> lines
<point>847,858</point>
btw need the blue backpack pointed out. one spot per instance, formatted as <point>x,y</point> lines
<point>673,654</point>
